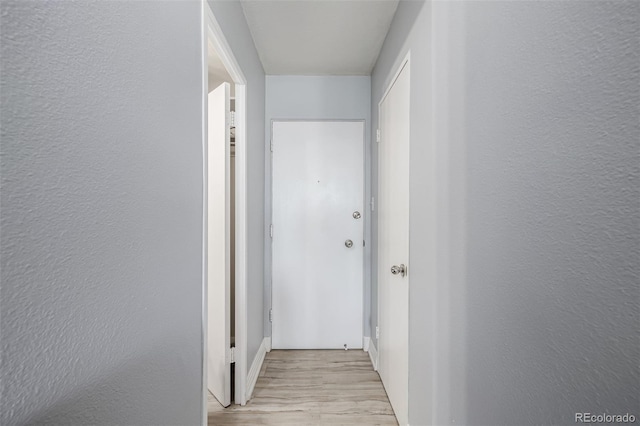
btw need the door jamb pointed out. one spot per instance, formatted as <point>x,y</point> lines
<point>211,32</point>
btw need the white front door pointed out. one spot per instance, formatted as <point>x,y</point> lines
<point>393,244</point>
<point>218,246</point>
<point>318,216</point>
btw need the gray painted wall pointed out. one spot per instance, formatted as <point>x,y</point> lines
<point>525,208</point>
<point>318,98</point>
<point>553,188</point>
<point>234,26</point>
<point>101,248</point>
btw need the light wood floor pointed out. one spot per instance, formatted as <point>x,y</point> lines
<point>301,387</point>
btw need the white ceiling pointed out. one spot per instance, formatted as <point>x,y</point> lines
<point>319,37</point>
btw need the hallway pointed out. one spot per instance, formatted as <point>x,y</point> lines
<point>305,387</point>
<point>493,244</point>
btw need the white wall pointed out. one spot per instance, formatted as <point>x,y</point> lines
<point>317,98</point>
<point>234,26</point>
<point>525,208</point>
<point>101,248</point>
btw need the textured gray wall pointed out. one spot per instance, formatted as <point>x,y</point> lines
<point>553,142</point>
<point>234,26</point>
<point>525,296</point>
<point>318,98</point>
<point>101,249</point>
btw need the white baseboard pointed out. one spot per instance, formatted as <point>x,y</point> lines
<point>256,366</point>
<point>365,343</point>
<point>373,354</point>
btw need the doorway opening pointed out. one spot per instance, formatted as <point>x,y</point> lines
<point>224,337</point>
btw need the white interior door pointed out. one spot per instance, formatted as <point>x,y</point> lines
<point>318,182</point>
<point>218,245</point>
<point>393,244</point>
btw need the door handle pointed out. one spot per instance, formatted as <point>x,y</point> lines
<point>402,270</point>
<point>348,244</point>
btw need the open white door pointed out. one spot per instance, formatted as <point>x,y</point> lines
<point>393,244</point>
<point>218,242</point>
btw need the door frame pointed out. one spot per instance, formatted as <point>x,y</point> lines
<point>365,204</point>
<point>401,65</point>
<point>398,69</point>
<point>211,32</point>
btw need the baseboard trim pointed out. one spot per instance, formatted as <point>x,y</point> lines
<point>373,354</point>
<point>365,343</point>
<point>256,366</point>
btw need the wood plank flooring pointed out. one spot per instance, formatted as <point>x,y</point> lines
<point>304,387</point>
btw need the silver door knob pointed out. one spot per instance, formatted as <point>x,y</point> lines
<point>348,244</point>
<point>402,270</point>
<point>356,215</point>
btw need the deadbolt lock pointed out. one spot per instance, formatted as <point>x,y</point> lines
<point>357,215</point>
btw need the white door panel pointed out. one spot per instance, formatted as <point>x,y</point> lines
<point>317,281</point>
<point>218,241</point>
<point>393,244</point>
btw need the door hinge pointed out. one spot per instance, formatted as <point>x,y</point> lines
<point>232,355</point>
<point>378,135</point>
<point>373,204</point>
<point>271,230</point>
<point>271,145</point>
<point>377,332</point>
<point>233,119</point>
<point>270,315</point>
